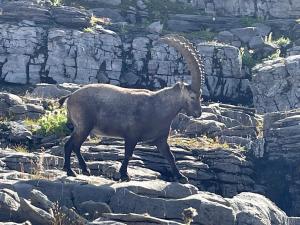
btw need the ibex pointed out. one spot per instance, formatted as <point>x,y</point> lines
<point>134,114</point>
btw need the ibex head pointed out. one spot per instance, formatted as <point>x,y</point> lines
<point>190,93</point>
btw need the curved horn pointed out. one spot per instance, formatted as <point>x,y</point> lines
<point>193,59</point>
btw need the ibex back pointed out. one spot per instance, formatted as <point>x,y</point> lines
<point>134,114</point>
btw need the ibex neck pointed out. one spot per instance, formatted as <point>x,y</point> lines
<point>170,102</point>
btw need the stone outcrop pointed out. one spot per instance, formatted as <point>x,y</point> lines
<point>155,202</point>
<point>15,108</point>
<point>281,132</point>
<point>274,84</point>
<point>260,8</point>
<point>33,54</point>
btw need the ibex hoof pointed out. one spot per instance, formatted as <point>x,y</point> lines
<point>125,178</point>
<point>86,172</point>
<point>71,173</point>
<point>183,179</point>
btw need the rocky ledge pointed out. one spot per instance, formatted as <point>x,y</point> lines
<point>222,154</point>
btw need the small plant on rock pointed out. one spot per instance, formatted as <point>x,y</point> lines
<point>188,215</point>
<point>20,148</point>
<point>56,2</point>
<point>53,123</point>
<point>275,55</point>
<point>282,41</point>
<point>88,30</point>
<point>99,21</point>
<point>247,58</point>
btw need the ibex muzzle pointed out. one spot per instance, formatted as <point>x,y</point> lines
<point>133,114</point>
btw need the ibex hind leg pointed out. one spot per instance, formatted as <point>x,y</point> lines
<point>129,148</point>
<point>74,143</point>
<point>163,147</point>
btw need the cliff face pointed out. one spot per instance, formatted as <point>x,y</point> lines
<point>44,43</point>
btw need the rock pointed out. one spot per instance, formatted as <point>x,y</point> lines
<point>257,210</point>
<point>71,17</point>
<point>113,14</point>
<point>29,111</point>
<point>9,204</point>
<point>195,22</point>
<point>40,200</point>
<point>230,76</point>
<point>273,84</point>
<point>295,50</point>
<point>155,27</point>
<point>256,42</point>
<point>6,101</point>
<point>34,214</point>
<point>260,8</point>
<point>205,127</point>
<point>63,58</point>
<point>26,11</point>
<point>49,91</point>
<point>93,209</point>
<point>20,54</point>
<point>12,223</point>
<point>15,132</point>
<point>157,188</point>
<point>137,218</point>
<point>104,2</point>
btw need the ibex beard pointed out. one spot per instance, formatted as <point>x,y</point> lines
<point>134,114</point>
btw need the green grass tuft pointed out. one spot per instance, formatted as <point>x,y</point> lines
<point>247,58</point>
<point>53,123</point>
<point>20,148</point>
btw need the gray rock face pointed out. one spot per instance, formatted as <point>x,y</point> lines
<point>223,79</point>
<point>19,47</point>
<point>260,8</point>
<point>33,55</point>
<point>274,84</point>
<point>24,10</point>
<point>85,59</point>
<point>281,135</point>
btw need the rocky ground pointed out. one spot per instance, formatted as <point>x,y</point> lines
<point>221,154</point>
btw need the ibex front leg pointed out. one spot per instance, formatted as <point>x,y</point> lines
<point>163,147</point>
<point>129,148</point>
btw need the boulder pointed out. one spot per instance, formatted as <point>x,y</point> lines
<point>274,84</point>
<point>48,91</point>
<point>93,209</point>
<point>25,10</point>
<point>34,214</point>
<point>9,204</point>
<point>155,27</point>
<point>6,101</point>
<point>113,14</point>
<point>71,17</point>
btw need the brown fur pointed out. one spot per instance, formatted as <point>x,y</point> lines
<point>133,114</point>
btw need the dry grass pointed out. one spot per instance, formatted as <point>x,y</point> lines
<point>20,148</point>
<point>99,21</point>
<point>198,142</point>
